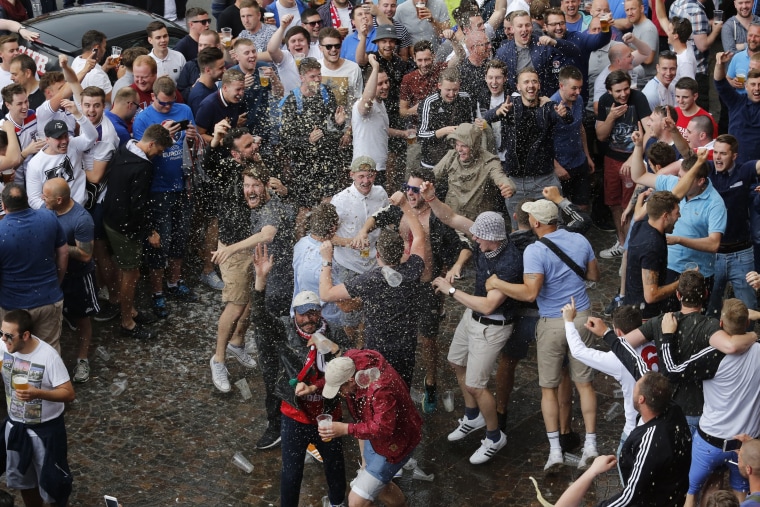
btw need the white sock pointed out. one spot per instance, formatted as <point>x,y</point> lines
<point>590,440</point>
<point>554,441</point>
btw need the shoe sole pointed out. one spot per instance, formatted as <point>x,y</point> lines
<point>211,361</point>
<point>608,256</point>
<point>105,319</point>
<point>556,467</point>
<point>81,381</point>
<point>490,453</point>
<point>273,444</point>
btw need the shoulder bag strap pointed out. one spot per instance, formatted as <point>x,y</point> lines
<point>564,257</point>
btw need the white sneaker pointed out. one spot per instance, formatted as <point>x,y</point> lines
<point>219,376</point>
<point>487,449</point>
<point>467,426</point>
<point>589,454</point>
<point>614,251</point>
<point>241,355</point>
<point>555,461</point>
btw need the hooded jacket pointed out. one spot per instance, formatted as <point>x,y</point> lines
<point>473,186</point>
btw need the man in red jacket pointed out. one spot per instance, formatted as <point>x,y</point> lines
<point>385,417</point>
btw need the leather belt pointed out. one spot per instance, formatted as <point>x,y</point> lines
<point>491,322</point>
<point>714,441</point>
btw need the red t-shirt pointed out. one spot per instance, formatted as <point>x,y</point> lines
<point>683,121</point>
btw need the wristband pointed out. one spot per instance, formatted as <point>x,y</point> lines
<point>430,200</point>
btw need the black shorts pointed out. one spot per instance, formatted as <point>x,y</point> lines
<point>80,296</point>
<point>578,187</point>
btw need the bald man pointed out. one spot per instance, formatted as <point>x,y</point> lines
<point>749,467</point>
<point>80,294</point>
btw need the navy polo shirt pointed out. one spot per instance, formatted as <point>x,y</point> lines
<point>734,185</point>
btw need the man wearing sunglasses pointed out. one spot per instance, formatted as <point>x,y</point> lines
<point>35,427</point>
<point>197,21</point>
<point>311,20</point>
<point>170,202</point>
<point>342,76</point>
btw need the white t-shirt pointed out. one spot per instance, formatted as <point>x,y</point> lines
<point>288,72</point>
<point>171,65</point>
<point>687,64</point>
<point>371,133</point>
<point>45,370</point>
<point>5,78</point>
<point>45,114</point>
<point>103,149</point>
<point>27,134</point>
<point>354,209</point>
<point>346,82</point>
<point>68,166</point>
<point>314,51</point>
<point>96,77</point>
<point>345,19</point>
<point>283,11</point>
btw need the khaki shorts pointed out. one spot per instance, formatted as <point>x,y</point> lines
<point>127,253</point>
<point>551,348</point>
<point>476,346</point>
<point>237,274</point>
<point>46,323</point>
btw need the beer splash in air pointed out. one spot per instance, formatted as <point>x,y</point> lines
<point>540,497</point>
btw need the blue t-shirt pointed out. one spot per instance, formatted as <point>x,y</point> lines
<point>701,215</point>
<point>167,175</point>
<point>350,43</point>
<point>568,146</point>
<point>739,64</point>
<point>28,272</point>
<point>560,282</point>
<point>753,500</point>
<point>121,127</point>
<point>78,226</point>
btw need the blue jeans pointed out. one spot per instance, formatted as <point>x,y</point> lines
<point>296,437</point>
<point>529,187</point>
<point>732,267</point>
<point>705,458</point>
<point>693,422</point>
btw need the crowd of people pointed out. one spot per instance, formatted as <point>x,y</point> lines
<point>338,168</point>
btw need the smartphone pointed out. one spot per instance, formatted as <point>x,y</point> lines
<point>731,445</point>
<point>111,501</point>
<point>183,124</point>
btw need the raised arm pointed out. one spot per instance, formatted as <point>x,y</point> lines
<point>275,43</point>
<point>722,59</point>
<point>442,210</point>
<point>370,88</point>
<point>639,173</point>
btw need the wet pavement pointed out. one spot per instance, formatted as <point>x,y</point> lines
<point>169,438</point>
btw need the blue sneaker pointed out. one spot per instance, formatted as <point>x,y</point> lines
<point>159,306</point>
<point>429,399</point>
<point>182,291</point>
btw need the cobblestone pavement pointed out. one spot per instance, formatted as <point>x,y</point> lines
<point>168,439</point>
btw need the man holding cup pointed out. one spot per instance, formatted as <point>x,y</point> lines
<point>385,418</point>
<point>35,428</point>
<point>304,343</point>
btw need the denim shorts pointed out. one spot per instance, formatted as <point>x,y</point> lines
<point>376,475</point>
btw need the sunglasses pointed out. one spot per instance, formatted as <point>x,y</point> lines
<point>313,23</point>
<point>166,104</point>
<point>7,337</point>
<point>407,188</point>
<point>330,47</point>
<point>204,21</point>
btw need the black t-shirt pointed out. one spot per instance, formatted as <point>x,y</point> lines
<point>527,130</point>
<point>647,249</point>
<point>619,144</point>
<point>390,315</point>
<point>693,335</point>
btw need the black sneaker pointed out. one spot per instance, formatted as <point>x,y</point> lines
<point>107,312</point>
<point>139,332</point>
<point>570,441</point>
<point>618,301</point>
<point>144,318</point>
<point>269,439</point>
<point>182,292</point>
<point>159,306</point>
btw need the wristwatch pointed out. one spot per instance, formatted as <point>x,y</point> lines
<point>326,263</point>
<point>452,290</point>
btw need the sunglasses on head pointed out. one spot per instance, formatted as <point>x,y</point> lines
<point>407,188</point>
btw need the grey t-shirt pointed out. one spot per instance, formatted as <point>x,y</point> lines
<point>523,58</point>
<point>647,32</point>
